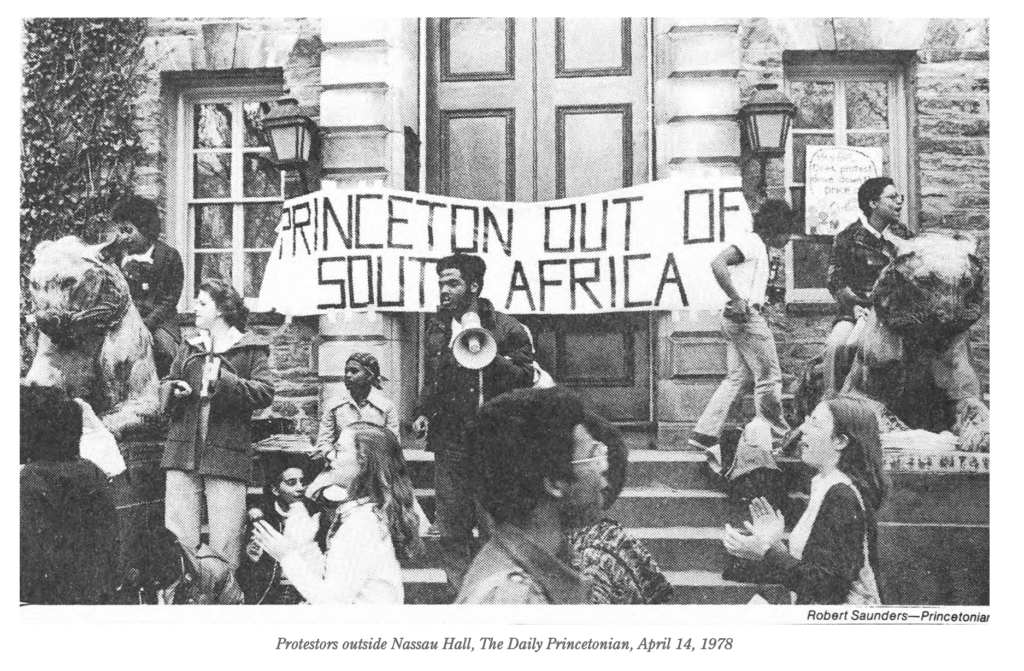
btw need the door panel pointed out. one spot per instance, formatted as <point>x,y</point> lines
<point>593,47</point>
<point>593,149</point>
<point>608,74</point>
<point>479,108</point>
<point>503,126</point>
<point>604,358</point>
<point>477,49</point>
<point>477,152</point>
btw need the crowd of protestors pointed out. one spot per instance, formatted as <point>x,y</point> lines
<point>523,474</point>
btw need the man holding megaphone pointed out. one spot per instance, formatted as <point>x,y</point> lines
<point>472,354</point>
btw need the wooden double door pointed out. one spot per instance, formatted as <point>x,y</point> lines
<point>538,109</point>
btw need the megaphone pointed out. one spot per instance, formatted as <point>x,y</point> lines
<point>473,347</point>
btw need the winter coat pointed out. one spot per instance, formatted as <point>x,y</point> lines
<point>450,392</point>
<point>244,386</point>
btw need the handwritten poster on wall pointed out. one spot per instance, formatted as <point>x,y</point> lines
<point>833,176</point>
<point>647,247</point>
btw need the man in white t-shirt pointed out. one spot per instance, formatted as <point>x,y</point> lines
<point>742,270</point>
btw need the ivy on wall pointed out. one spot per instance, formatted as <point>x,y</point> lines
<point>79,139</point>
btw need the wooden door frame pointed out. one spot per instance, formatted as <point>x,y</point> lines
<point>427,96</point>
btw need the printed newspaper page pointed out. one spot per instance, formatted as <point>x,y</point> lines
<point>414,327</point>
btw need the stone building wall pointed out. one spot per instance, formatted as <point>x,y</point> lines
<point>704,71</point>
<point>948,83</point>
<point>194,50</point>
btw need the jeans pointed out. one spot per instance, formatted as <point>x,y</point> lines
<point>751,354</point>
<point>456,513</point>
<point>225,503</point>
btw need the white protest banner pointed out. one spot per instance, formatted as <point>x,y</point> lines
<point>833,176</point>
<point>646,247</point>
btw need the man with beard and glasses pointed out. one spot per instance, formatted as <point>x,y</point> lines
<point>451,395</point>
<point>539,473</point>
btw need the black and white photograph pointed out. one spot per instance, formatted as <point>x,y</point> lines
<point>420,314</point>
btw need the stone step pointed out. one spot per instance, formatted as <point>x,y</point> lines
<point>655,507</point>
<point>680,469</point>
<point>428,586</point>
<point>915,498</point>
<point>673,548</point>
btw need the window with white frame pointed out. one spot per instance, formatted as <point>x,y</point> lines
<point>228,193</point>
<point>846,100</point>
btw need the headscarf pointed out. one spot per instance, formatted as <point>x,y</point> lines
<point>369,362</point>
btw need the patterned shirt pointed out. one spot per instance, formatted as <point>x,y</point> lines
<point>620,568</point>
<point>858,257</point>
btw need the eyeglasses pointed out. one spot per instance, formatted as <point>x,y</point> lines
<point>600,451</point>
<point>898,197</point>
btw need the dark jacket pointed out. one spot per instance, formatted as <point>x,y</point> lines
<point>834,553</point>
<point>512,569</point>
<point>450,392</point>
<point>245,386</point>
<point>857,259</point>
<point>260,575</point>
<point>68,534</point>
<point>156,287</point>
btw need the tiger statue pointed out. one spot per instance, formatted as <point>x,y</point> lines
<point>911,353</point>
<point>92,341</point>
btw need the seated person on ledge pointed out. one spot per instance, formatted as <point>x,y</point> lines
<point>154,273</point>
<point>859,253</point>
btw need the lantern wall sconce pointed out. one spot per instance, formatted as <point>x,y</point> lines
<point>291,135</point>
<point>766,120</point>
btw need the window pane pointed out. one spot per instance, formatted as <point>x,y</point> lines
<point>259,177</point>
<point>212,266</point>
<point>213,226</point>
<point>815,104</point>
<point>212,126</point>
<point>255,263</point>
<point>211,176</point>
<point>867,105</point>
<point>800,144</point>
<point>253,114</point>
<point>872,140</point>
<point>261,221</point>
